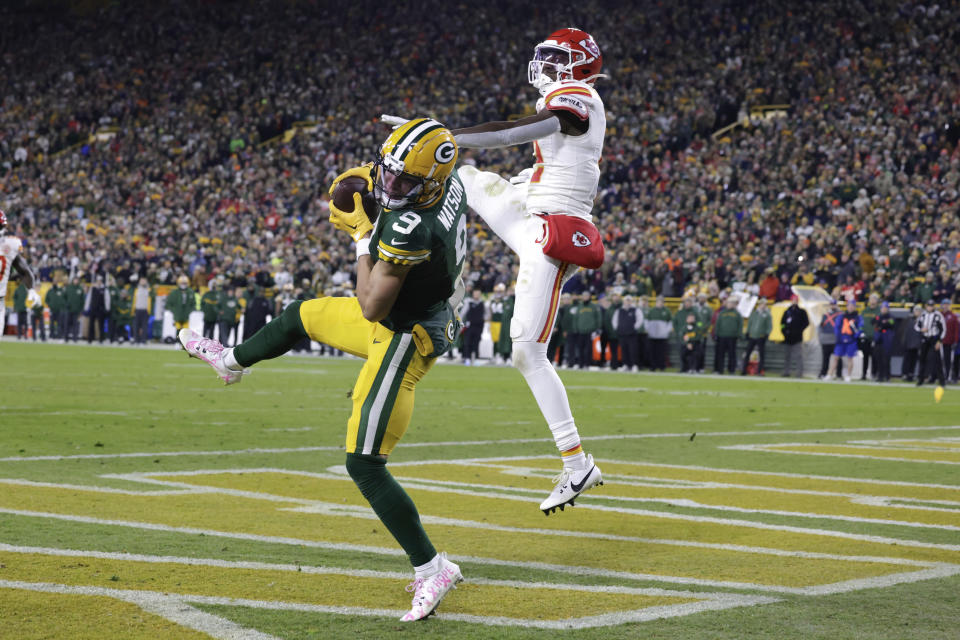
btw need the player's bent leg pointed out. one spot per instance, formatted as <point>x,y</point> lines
<point>384,392</point>
<point>579,471</point>
<point>539,282</point>
<point>275,338</point>
<point>382,407</point>
<point>499,203</point>
<point>391,504</point>
<point>337,322</point>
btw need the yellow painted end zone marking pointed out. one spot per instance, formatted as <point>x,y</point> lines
<point>519,533</point>
<point>937,443</point>
<point>772,480</point>
<point>328,590</point>
<point>533,542</point>
<point>31,614</point>
<point>704,493</point>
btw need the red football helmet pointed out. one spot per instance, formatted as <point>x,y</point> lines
<point>570,53</point>
<point>3,222</point>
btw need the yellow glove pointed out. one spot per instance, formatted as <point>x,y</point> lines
<point>356,222</point>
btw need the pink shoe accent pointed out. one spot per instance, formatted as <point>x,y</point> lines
<point>429,591</point>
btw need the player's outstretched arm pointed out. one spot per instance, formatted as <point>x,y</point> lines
<point>506,133</point>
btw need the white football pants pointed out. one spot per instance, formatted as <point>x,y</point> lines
<point>539,281</point>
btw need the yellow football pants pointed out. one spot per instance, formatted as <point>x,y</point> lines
<point>383,393</point>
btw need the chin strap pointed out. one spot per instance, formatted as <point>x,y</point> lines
<point>595,76</point>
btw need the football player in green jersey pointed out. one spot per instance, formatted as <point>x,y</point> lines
<point>408,273</point>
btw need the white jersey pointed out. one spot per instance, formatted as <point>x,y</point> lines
<point>567,168</point>
<point>9,250</point>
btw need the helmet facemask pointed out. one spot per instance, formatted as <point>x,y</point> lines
<point>551,59</point>
<point>395,188</point>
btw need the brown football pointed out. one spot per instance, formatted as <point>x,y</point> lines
<point>343,196</point>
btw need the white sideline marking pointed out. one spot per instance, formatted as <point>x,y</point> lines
<point>176,604</point>
<point>472,443</point>
<point>173,608</point>
<point>774,448</point>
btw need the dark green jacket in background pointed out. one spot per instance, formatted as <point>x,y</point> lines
<point>760,324</point>
<point>729,324</point>
<point>75,297</point>
<point>589,318</point>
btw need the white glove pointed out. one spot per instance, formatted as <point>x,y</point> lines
<point>33,298</point>
<point>523,177</point>
<point>393,121</point>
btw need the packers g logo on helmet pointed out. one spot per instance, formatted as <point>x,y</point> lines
<point>413,164</point>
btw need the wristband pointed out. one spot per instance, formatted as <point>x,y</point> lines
<point>363,247</point>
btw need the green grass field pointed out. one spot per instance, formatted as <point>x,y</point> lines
<point>139,498</point>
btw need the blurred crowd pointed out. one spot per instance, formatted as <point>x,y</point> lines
<point>853,184</point>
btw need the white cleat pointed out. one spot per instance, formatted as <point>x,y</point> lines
<point>210,351</point>
<point>570,484</point>
<point>429,591</point>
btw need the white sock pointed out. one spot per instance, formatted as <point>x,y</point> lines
<point>530,358</point>
<point>428,569</point>
<point>230,362</point>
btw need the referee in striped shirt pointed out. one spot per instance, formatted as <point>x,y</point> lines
<point>932,327</point>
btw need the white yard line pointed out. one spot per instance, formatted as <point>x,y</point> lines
<point>474,443</point>
<point>775,448</point>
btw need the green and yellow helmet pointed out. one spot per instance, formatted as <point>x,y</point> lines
<point>413,164</point>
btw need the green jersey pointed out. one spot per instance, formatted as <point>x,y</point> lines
<point>210,305</point>
<point>433,241</point>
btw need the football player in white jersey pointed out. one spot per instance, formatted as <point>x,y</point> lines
<point>10,260</point>
<point>544,215</point>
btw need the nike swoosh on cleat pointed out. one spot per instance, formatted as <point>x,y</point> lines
<point>579,487</point>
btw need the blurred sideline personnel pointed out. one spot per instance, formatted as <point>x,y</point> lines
<point>543,215</point>
<point>950,337</point>
<point>933,328</point>
<point>10,260</point>
<point>401,320</point>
